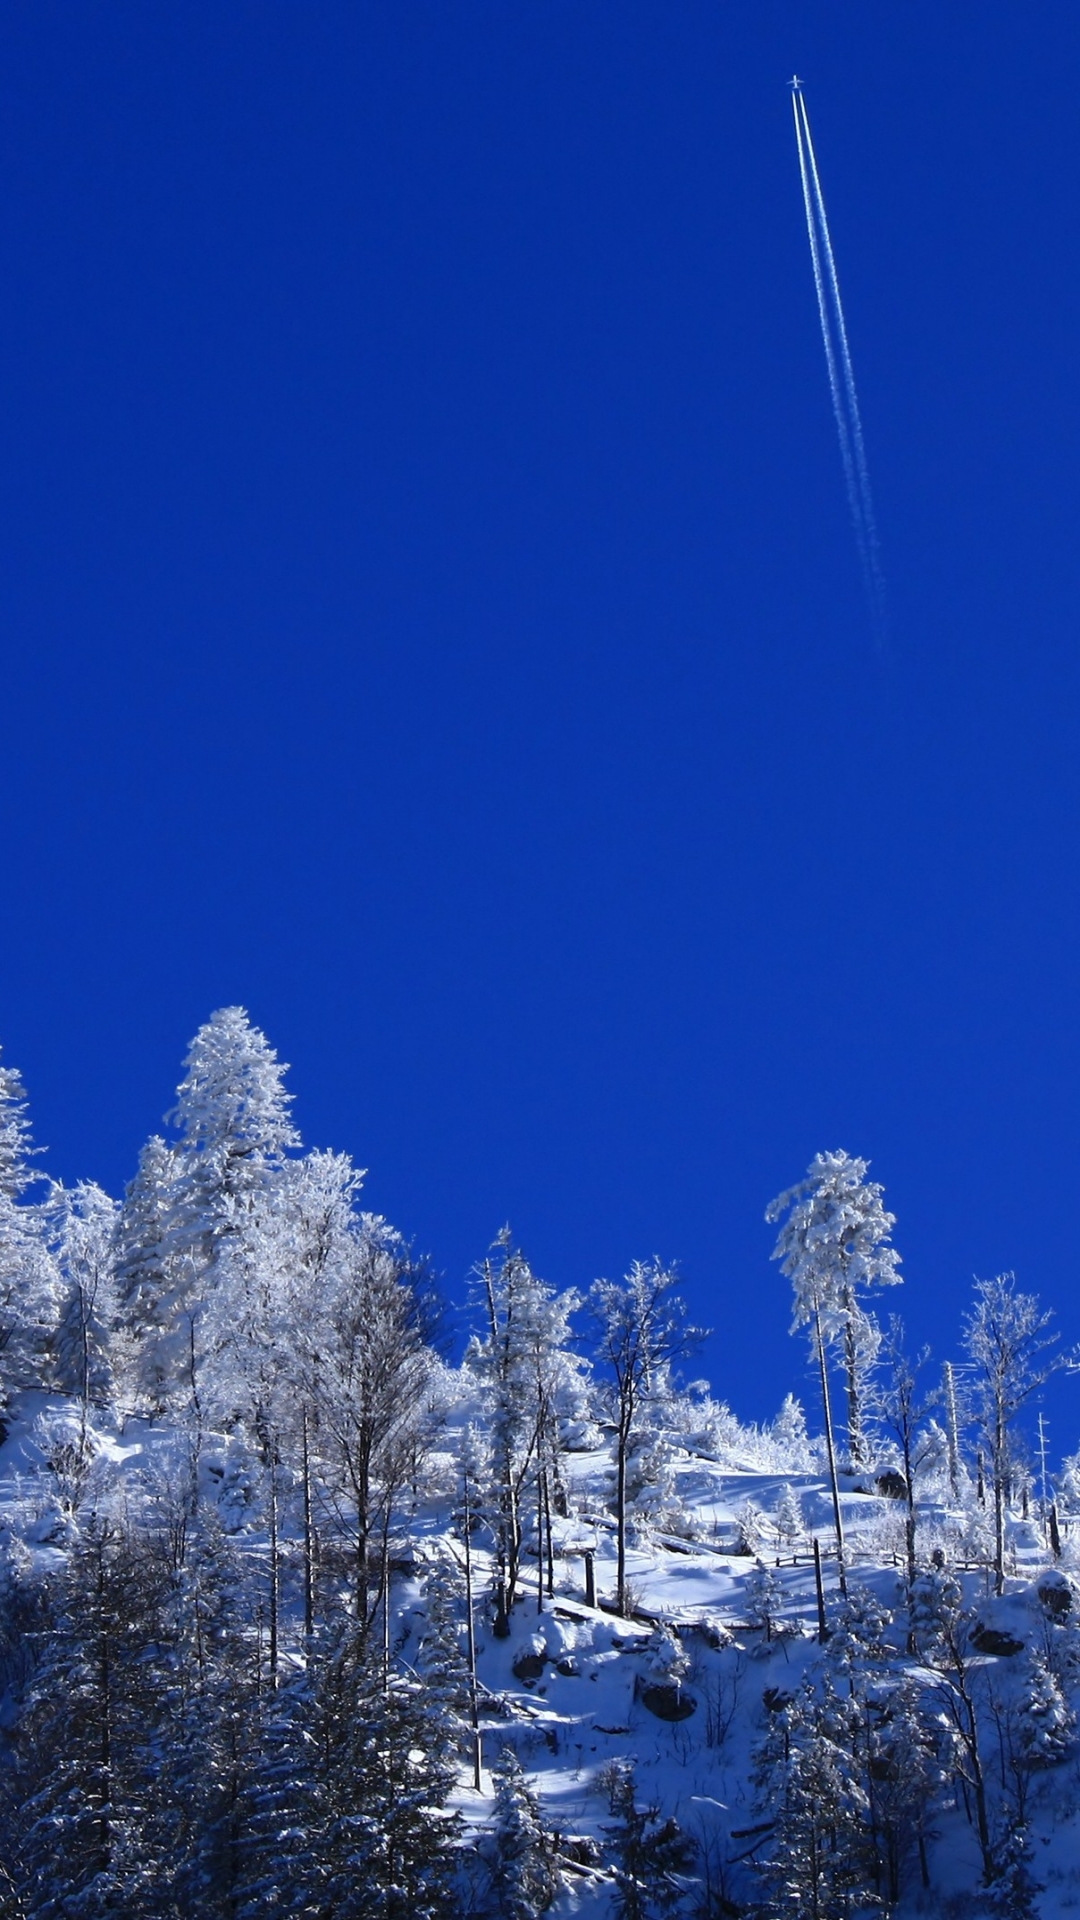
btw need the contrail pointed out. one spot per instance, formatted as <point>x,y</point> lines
<point>840,370</point>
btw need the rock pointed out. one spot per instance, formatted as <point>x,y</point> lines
<point>668,1702</point>
<point>995,1641</point>
<point>892,1484</point>
<point>1056,1594</point>
<point>568,1667</point>
<point>774,1699</point>
<point>529,1666</point>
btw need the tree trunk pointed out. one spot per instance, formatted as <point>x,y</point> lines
<point>622,1444</point>
<point>819,1341</point>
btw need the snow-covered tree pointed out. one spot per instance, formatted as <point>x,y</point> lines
<point>834,1244</point>
<point>789,1438</point>
<point>651,1853</point>
<point>821,1861</point>
<point>29,1283</point>
<point>524,1877</point>
<point>154,1285</point>
<point>532,1384</point>
<point>1007,1339</point>
<point>232,1117</point>
<point>788,1520</point>
<point>905,1413</point>
<point>81,1224</point>
<point>362,1365</point>
<point>643,1334</point>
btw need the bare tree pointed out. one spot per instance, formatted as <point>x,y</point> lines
<point>898,1404</point>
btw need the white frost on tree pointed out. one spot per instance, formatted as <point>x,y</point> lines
<point>833,1245</point>
<point>29,1283</point>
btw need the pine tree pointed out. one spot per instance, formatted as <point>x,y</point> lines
<point>154,1285</point>
<point>81,1222</point>
<point>86,1737</point>
<point>232,1116</point>
<point>29,1284</point>
<point>1013,1889</point>
<point>790,1440</point>
<point>385,1841</point>
<point>821,1866</point>
<point>523,1873</point>
<point>650,1853</point>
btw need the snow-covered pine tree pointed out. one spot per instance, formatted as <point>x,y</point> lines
<point>789,1439</point>
<point>833,1244</point>
<point>651,1853</point>
<point>154,1285</point>
<point>81,1225</point>
<point>29,1283</point>
<point>86,1748</point>
<point>789,1522</point>
<point>385,1841</point>
<point>524,1877</point>
<point>232,1116</point>
<point>821,1863</point>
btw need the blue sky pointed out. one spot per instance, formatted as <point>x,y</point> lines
<point>430,617</point>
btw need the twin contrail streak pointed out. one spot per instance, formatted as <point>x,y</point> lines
<point>840,370</point>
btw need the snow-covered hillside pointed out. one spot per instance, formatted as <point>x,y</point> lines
<point>297,1618</point>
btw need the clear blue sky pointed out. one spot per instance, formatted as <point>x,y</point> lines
<point>430,617</point>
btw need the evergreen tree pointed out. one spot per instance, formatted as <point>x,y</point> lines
<point>29,1283</point>
<point>650,1853</point>
<point>154,1285</point>
<point>523,1873</point>
<point>85,1751</point>
<point>81,1222</point>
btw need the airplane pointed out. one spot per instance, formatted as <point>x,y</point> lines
<point>795,83</point>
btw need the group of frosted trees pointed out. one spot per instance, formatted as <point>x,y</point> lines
<point>835,1246</point>
<point>217,1705</point>
<point>211,1657</point>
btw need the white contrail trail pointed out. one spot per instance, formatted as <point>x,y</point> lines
<point>841,329</point>
<point>840,369</point>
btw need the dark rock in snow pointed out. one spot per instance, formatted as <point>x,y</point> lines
<point>1056,1594</point>
<point>892,1484</point>
<point>774,1699</point>
<point>994,1640</point>
<point>668,1702</point>
<point>529,1666</point>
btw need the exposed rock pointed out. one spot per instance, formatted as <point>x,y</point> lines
<point>1056,1594</point>
<point>774,1699</point>
<point>892,1484</point>
<point>667,1701</point>
<point>996,1641</point>
<point>529,1666</point>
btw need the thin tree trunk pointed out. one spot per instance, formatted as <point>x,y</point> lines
<point>309,1584</point>
<point>471,1628</point>
<point>275,1572</point>
<point>952,1428</point>
<point>620,1519</point>
<point>819,1341</point>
